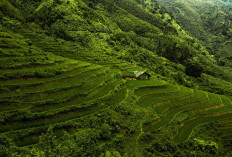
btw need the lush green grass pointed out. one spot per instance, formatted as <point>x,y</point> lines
<point>75,89</point>
<point>169,89</point>
<point>197,97</point>
<point>47,117</point>
<point>69,72</point>
<point>78,95</point>
<point>33,99</point>
<point>168,111</point>
<point>47,43</point>
<point>153,83</point>
<point>216,113</point>
<point>186,129</point>
<point>29,61</point>
<point>154,101</point>
<point>37,71</point>
<point>31,136</point>
<point>56,85</point>
<point>227,107</point>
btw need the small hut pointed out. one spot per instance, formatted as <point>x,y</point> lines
<point>142,75</point>
<point>136,75</point>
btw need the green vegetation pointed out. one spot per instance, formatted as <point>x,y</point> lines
<point>208,21</point>
<point>63,90</point>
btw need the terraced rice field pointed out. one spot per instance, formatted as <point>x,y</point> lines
<point>39,88</point>
<point>169,101</point>
<point>70,50</point>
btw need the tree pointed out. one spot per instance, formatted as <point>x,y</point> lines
<point>193,68</point>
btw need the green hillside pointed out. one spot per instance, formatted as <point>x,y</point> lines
<point>68,85</point>
<point>209,21</point>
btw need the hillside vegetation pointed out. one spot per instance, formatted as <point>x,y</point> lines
<point>63,92</point>
<point>128,31</point>
<point>209,21</point>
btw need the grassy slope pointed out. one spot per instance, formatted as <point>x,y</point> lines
<point>87,105</point>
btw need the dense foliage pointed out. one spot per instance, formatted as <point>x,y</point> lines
<point>62,65</point>
<point>209,21</point>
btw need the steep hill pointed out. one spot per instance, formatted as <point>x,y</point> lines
<point>126,30</point>
<point>63,90</point>
<point>210,21</point>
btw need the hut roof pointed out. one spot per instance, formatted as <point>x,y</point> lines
<point>139,73</point>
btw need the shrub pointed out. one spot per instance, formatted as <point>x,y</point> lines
<point>193,69</point>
